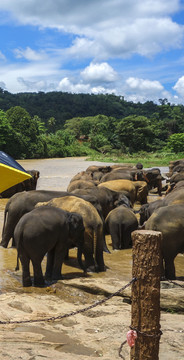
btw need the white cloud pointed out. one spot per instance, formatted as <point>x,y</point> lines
<point>143,85</point>
<point>99,73</point>
<point>142,90</point>
<point>67,86</point>
<point>106,27</point>
<point>29,54</point>
<point>179,86</point>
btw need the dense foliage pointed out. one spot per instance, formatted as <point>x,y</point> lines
<point>59,124</point>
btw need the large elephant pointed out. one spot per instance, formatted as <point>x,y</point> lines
<point>26,185</point>
<point>176,196</point>
<point>80,184</point>
<point>83,175</point>
<point>106,197</point>
<point>47,230</point>
<point>154,178</point>
<point>173,164</point>
<point>114,175</point>
<point>93,233</point>
<point>169,220</point>
<point>147,210</point>
<point>120,223</point>
<point>21,203</point>
<point>136,190</point>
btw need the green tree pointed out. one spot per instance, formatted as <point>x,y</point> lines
<point>175,143</point>
<point>135,133</point>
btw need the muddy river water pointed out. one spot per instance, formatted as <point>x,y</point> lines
<point>55,174</point>
<point>47,341</point>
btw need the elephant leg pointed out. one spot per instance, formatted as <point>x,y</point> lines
<point>26,278</point>
<point>169,267</point>
<point>38,275</point>
<point>13,243</point>
<point>60,252</point>
<point>99,250</point>
<point>159,187</point>
<point>88,252</point>
<point>49,265</point>
<point>115,236</point>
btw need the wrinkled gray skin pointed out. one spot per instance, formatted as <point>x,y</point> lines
<point>169,220</point>
<point>106,197</point>
<point>114,175</point>
<point>146,210</point>
<point>80,184</point>
<point>176,196</point>
<point>21,203</point>
<point>47,230</point>
<point>154,179</point>
<point>26,185</point>
<point>120,223</point>
<point>176,177</point>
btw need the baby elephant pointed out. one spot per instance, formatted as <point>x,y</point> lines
<point>119,223</point>
<point>47,230</point>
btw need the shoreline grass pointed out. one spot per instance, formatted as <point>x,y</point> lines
<point>147,159</point>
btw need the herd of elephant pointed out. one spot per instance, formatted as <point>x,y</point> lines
<point>98,202</point>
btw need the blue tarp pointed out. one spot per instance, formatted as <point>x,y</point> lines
<point>9,161</point>
<point>11,172</point>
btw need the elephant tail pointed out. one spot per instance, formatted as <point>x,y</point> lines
<point>99,247</point>
<point>5,217</point>
<point>17,266</point>
<point>95,240</point>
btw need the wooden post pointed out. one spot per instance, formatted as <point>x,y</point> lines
<point>146,294</point>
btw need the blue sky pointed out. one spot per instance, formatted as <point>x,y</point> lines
<point>132,48</point>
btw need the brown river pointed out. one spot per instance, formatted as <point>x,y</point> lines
<point>55,174</point>
<point>69,337</point>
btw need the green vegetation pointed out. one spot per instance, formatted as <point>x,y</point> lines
<point>101,127</point>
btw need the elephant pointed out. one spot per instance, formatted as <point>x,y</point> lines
<point>176,177</point>
<point>174,163</point>
<point>135,190</point>
<point>141,191</point>
<point>176,196</point>
<point>26,185</point>
<point>47,230</point>
<point>104,169</point>
<point>83,175</point>
<point>119,223</point>
<point>121,185</point>
<point>93,233</point>
<point>154,178</point>
<point>146,210</point>
<point>21,203</point>
<point>106,197</point>
<point>169,220</point>
<point>80,184</point>
<point>115,175</point>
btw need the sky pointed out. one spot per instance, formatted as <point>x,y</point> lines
<point>130,48</point>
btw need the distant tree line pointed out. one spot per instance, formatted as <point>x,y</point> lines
<point>59,124</point>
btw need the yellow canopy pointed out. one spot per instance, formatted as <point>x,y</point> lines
<point>10,176</point>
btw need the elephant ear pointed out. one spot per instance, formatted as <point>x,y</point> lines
<point>75,223</point>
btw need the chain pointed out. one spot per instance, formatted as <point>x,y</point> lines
<point>72,313</point>
<point>173,282</point>
<point>141,333</point>
<point>146,334</point>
